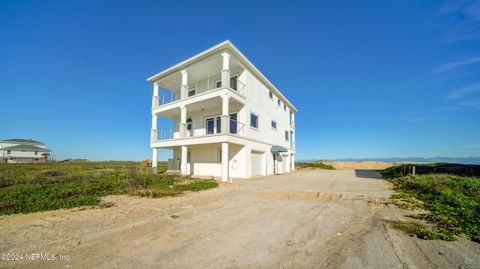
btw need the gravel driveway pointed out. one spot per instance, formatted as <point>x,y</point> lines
<point>307,219</point>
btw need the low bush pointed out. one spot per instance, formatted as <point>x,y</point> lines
<point>465,170</point>
<point>315,165</point>
<point>26,188</point>
<point>453,203</point>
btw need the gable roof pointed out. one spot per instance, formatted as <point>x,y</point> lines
<point>26,148</point>
<point>22,141</point>
<point>225,45</point>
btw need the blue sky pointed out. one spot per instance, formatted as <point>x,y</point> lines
<point>370,78</point>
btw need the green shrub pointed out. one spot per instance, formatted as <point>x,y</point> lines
<point>315,165</point>
<point>453,202</point>
<point>26,188</point>
<point>420,230</point>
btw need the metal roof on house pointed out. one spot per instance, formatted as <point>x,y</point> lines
<point>26,148</point>
<point>22,141</point>
<point>277,149</point>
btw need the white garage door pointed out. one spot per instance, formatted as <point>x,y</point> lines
<point>257,165</point>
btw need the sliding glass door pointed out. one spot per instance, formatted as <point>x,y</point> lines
<point>214,124</point>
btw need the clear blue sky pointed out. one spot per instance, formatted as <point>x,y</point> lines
<point>370,78</point>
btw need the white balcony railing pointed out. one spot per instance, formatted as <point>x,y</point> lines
<point>166,133</point>
<point>239,87</point>
<point>198,129</point>
<point>237,127</point>
<point>166,96</point>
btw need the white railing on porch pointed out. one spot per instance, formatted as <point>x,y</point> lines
<point>237,127</point>
<point>195,129</point>
<point>165,96</point>
<point>167,133</point>
<point>239,88</point>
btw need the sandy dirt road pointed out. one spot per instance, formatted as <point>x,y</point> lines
<point>327,219</point>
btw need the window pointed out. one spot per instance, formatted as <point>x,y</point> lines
<point>286,135</point>
<point>189,124</point>
<point>219,125</point>
<point>274,124</point>
<point>218,84</point>
<point>210,126</point>
<point>219,155</point>
<point>233,123</point>
<point>9,151</point>
<point>192,92</point>
<point>285,107</point>
<point>270,94</point>
<point>278,102</point>
<point>253,120</point>
<point>213,125</point>
<point>233,83</point>
<point>36,152</point>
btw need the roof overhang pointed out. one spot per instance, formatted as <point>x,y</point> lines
<point>278,149</point>
<point>224,46</point>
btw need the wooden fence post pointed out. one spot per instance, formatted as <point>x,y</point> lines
<point>413,170</point>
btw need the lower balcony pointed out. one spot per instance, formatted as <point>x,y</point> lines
<point>209,127</point>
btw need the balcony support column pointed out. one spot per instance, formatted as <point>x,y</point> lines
<point>226,70</point>
<point>184,86</point>
<point>225,114</point>
<point>153,133</point>
<point>183,121</point>
<point>183,162</point>
<point>293,162</point>
<point>154,160</point>
<point>155,96</point>
<point>225,172</point>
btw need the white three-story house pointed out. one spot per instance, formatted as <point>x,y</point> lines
<point>227,119</point>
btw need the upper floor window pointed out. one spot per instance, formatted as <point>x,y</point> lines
<point>233,83</point>
<point>253,120</point>
<point>189,124</point>
<point>286,135</point>
<point>270,94</point>
<point>192,92</point>
<point>36,152</point>
<point>278,102</point>
<point>9,151</point>
<point>285,107</point>
<point>274,124</point>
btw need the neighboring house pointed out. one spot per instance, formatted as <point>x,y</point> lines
<point>23,151</point>
<point>227,119</point>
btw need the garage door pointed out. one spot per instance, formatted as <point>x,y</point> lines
<point>257,165</point>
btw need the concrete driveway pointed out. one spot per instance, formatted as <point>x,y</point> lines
<point>366,183</point>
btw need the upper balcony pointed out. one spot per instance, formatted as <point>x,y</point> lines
<point>202,80</point>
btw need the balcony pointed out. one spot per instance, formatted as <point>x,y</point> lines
<point>210,127</point>
<point>166,97</point>
<point>212,74</point>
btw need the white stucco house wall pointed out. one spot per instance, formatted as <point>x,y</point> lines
<point>227,119</point>
<point>23,151</point>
